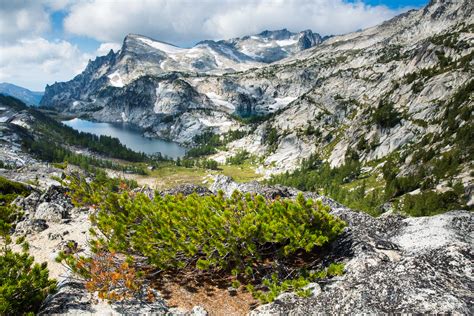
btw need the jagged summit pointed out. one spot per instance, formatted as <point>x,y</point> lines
<point>147,41</point>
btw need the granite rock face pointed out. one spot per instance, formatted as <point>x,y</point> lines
<point>43,208</point>
<point>396,265</point>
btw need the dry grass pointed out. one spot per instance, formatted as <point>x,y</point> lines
<point>240,173</point>
<point>169,176</point>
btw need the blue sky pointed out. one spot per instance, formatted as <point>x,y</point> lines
<point>43,41</point>
<point>85,43</point>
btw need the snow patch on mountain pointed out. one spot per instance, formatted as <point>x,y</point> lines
<point>116,80</point>
<point>167,48</point>
<point>281,103</point>
<point>287,42</point>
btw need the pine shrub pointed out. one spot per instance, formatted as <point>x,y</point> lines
<point>241,236</point>
<point>239,158</point>
<point>385,115</point>
<point>9,190</point>
<point>431,203</point>
<point>23,284</point>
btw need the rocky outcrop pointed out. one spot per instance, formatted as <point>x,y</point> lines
<point>187,189</point>
<point>395,265</point>
<point>228,186</point>
<point>392,264</point>
<point>72,298</point>
<point>51,206</point>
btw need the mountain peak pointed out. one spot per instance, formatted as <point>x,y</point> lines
<point>133,36</point>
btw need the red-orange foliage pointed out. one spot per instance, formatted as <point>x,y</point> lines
<point>111,277</point>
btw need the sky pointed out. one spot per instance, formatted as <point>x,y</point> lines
<point>44,41</point>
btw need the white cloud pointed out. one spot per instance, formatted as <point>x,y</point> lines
<point>56,5</point>
<point>20,18</point>
<point>105,48</point>
<point>185,21</point>
<point>322,16</point>
<point>34,62</point>
<point>27,58</point>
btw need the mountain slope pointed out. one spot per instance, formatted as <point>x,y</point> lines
<point>25,95</point>
<point>414,63</point>
<point>399,93</point>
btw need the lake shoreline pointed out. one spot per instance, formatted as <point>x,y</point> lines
<point>129,135</point>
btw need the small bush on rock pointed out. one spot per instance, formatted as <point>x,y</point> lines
<point>239,158</point>
<point>431,203</point>
<point>9,190</point>
<point>242,236</point>
<point>385,115</point>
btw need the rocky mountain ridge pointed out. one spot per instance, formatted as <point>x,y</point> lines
<point>154,100</point>
<point>122,86</point>
<point>142,56</point>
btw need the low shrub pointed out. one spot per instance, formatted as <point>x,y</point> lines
<point>385,115</point>
<point>241,236</point>
<point>23,284</point>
